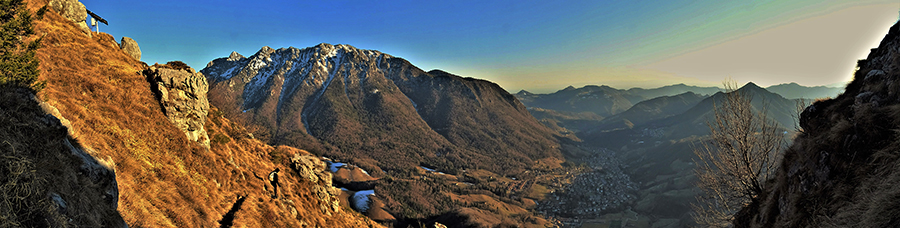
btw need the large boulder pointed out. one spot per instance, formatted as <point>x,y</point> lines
<point>72,10</point>
<point>312,169</point>
<point>130,47</point>
<point>182,94</point>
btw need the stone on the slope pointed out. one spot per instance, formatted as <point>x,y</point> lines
<point>182,94</point>
<point>312,169</point>
<point>130,47</point>
<point>72,10</point>
<point>235,56</point>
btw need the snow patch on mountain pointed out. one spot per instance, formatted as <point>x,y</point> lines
<point>311,70</point>
<point>361,200</point>
<point>230,72</point>
<point>336,62</point>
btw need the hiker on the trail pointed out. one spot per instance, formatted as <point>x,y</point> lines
<point>273,179</point>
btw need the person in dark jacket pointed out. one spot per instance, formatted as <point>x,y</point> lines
<point>273,179</point>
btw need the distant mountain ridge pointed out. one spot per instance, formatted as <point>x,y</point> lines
<point>613,101</point>
<point>795,91</point>
<point>653,109</point>
<point>601,100</point>
<point>693,121</point>
<point>671,90</point>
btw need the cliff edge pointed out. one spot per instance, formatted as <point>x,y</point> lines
<point>841,170</point>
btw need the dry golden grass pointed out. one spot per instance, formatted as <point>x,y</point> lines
<point>164,179</point>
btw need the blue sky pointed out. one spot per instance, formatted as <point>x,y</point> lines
<point>535,45</point>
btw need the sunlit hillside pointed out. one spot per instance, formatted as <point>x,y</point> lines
<point>164,179</point>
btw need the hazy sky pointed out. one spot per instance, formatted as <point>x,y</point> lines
<point>540,46</point>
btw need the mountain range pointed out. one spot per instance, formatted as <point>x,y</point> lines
<point>392,119</point>
<point>368,104</point>
<point>569,107</point>
<point>795,91</point>
<point>693,121</point>
<point>654,140</point>
<point>601,100</point>
<point>652,109</point>
<point>686,117</point>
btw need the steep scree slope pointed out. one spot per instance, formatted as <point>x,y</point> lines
<point>842,170</point>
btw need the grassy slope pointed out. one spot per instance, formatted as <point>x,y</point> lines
<point>164,179</point>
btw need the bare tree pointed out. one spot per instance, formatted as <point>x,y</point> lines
<point>733,165</point>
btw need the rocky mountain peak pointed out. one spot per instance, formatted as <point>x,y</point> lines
<point>753,89</point>
<point>264,52</point>
<point>751,85</point>
<point>234,56</point>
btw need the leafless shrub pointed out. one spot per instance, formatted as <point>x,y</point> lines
<point>734,164</point>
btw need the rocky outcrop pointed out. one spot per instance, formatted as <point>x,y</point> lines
<point>311,169</point>
<point>234,56</point>
<point>182,95</point>
<point>72,10</point>
<point>841,171</point>
<point>130,47</point>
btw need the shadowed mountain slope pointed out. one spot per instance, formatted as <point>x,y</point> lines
<point>693,121</point>
<point>46,178</point>
<point>653,109</point>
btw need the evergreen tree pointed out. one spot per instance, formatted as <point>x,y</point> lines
<point>18,66</point>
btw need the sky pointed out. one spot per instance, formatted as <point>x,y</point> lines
<point>540,46</point>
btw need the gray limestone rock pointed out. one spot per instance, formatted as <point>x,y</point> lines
<point>311,168</point>
<point>72,10</point>
<point>130,47</point>
<point>182,94</point>
<point>235,56</point>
